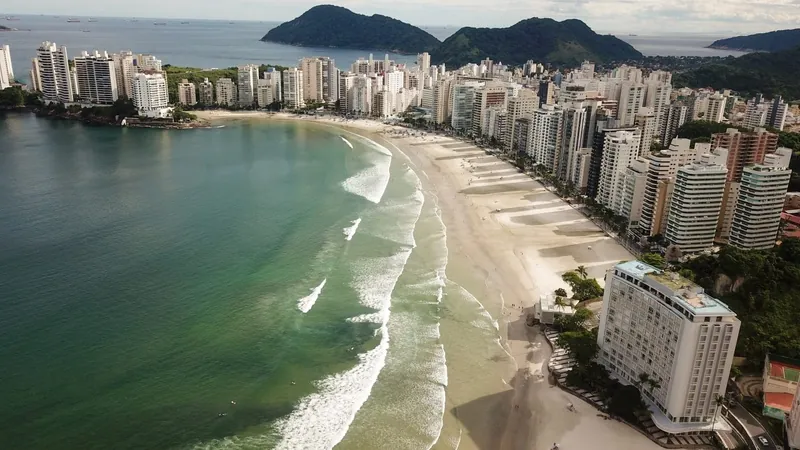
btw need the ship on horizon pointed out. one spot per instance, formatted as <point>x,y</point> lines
<point>73,20</point>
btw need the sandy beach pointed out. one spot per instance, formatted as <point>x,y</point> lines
<point>509,241</point>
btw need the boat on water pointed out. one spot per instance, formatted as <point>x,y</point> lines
<point>86,31</point>
<point>92,20</point>
<point>12,18</point>
<point>160,23</point>
<point>73,20</point>
<point>184,23</point>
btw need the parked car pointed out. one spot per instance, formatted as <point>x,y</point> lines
<point>763,441</point>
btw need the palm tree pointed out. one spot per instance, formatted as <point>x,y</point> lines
<point>644,378</point>
<point>582,272</point>
<point>560,301</point>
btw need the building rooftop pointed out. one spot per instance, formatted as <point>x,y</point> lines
<point>685,292</point>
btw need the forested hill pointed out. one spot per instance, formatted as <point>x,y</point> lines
<point>334,26</point>
<point>545,40</point>
<point>773,41</point>
<point>768,73</point>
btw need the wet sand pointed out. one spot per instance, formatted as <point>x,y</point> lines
<point>509,241</point>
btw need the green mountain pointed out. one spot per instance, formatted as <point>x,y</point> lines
<point>767,73</point>
<point>544,40</point>
<point>334,26</point>
<point>773,41</point>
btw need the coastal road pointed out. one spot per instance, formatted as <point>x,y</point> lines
<point>754,429</point>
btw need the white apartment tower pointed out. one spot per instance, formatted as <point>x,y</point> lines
<point>696,203</point>
<point>647,123</point>
<point>273,77</point>
<point>633,191</point>
<point>442,108</point>
<point>757,214</point>
<point>52,65</point>
<point>545,137</point>
<point>96,78</point>
<point>6,70</point>
<point>148,63</point>
<point>523,105</point>
<point>247,84</point>
<point>663,325</point>
<point>346,81</point>
<point>658,98</point>
<point>226,92</point>
<point>620,149</point>
<point>715,111</point>
<point>573,138</point>
<point>150,94</point>
<point>677,115</point>
<point>187,93</point>
<point>360,96</point>
<point>631,98</point>
<point>206,92</point>
<point>424,62</point>
<point>125,70</point>
<point>293,95</point>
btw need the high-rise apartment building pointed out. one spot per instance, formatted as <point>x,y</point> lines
<point>150,94</point>
<point>360,96</point>
<point>293,95</point>
<point>658,99</point>
<point>744,148</point>
<point>634,183</point>
<point>96,78</point>
<point>696,202</point>
<point>523,105</point>
<point>147,63</point>
<point>346,81</point>
<point>227,93</point>
<point>52,69</point>
<point>442,95</point>
<point>663,325</point>
<point>424,62</point>
<point>575,126</point>
<point>521,141</point>
<point>247,77</point>
<point>545,140</point>
<point>491,95</point>
<point>776,113</point>
<point>631,99</point>
<point>757,214</point>
<point>273,78</point>
<point>604,126</point>
<point>620,149</point>
<point>463,101</point>
<point>6,69</point>
<point>546,93</point>
<point>320,79</point>
<point>205,92</point>
<point>646,122</point>
<point>125,70</point>
<point>715,110</point>
<point>677,115</point>
<point>187,93</point>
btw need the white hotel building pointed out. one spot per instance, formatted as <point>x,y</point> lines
<point>663,325</point>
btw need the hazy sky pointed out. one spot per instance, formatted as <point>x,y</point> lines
<point>617,16</point>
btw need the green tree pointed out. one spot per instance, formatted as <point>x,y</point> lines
<point>12,97</point>
<point>582,345</point>
<point>577,321</point>
<point>625,402</point>
<point>654,259</point>
<point>561,292</point>
<point>582,272</point>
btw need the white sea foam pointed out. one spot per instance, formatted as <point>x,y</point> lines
<point>371,182</point>
<point>346,141</point>
<point>350,231</point>
<point>306,303</point>
<point>322,419</point>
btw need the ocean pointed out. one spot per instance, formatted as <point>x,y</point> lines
<point>217,43</point>
<point>260,285</point>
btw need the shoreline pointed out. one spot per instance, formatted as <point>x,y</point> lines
<point>508,240</point>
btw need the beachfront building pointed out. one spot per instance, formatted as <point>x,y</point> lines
<point>463,101</point>
<point>346,81</point>
<point>545,140</point>
<point>187,93</point>
<point>360,96</point>
<point>226,92</point>
<point>634,183</point>
<point>546,310</point>
<point>247,77</point>
<point>442,107</point>
<point>757,214</point>
<point>150,95</point>
<point>6,69</point>
<point>51,68</point>
<point>620,149</point>
<point>523,105</point>
<point>293,96</point>
<point>574,127</point>
<point>665,326</point>
<point>96,78</point>
<point>696,203</point>
<point>320,79</point>
<point>493,94</point>
<point>125,70</point>
<point>206,92</point>
<point>273,79</point>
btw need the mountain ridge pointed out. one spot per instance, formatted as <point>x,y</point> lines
<point>570,41</point>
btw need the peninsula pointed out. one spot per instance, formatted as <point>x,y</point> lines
<point>772,41</point>
<point>334,26</point>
